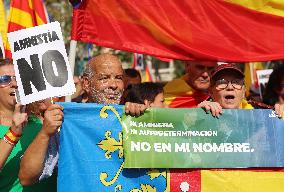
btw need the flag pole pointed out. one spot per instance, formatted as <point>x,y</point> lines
<point>72,54</point>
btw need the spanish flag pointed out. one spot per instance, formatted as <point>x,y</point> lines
<point>178,94</point>
<point>25,14</point>
<point>249,180</point>
<point>222,30</point>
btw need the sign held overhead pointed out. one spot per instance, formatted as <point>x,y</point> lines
<point>41,63</point>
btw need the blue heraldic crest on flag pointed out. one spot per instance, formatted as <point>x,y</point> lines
<point>91,153</point>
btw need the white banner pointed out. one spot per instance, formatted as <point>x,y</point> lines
<point>41,63</point>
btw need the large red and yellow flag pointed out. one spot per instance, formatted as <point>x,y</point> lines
<point>223,30</point>
<point>25,14</point>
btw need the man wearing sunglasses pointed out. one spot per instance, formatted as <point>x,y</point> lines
<point>227,90</point>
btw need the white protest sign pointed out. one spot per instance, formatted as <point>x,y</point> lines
<point>262,79</point>
<point>263,75</point>
<point>2,51</point>
<point>41,65</point>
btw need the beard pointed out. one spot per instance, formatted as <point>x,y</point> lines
<point>106,96</point>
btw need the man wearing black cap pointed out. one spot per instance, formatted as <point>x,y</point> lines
<point>227,90</point>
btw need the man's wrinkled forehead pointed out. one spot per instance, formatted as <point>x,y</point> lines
<point>106,65</point>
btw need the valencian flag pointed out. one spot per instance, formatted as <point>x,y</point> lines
<point>223,30</point>
<point>91,159</point>
<point>91,153</point>
<point>25,14</point>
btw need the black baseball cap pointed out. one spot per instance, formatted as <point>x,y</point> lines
<point>229,66</point>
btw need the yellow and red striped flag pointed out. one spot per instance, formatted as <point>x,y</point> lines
<point>219,30</point>
<point>2,19</point>
<point>250,74</point>
<point>25,14</point>
<point>148,76</point>
<point>178,94</point>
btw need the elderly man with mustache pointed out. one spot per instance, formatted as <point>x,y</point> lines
<point>102,83</point>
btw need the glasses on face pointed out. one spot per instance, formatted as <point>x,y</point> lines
<point>223,84</point>
<point>5,80</point>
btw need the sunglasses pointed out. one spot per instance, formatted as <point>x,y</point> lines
<point>5,80</point>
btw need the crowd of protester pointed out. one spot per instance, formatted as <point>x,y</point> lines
<point>30,134</point>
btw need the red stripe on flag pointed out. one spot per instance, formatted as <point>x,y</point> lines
<point>188,101</point>
<point>8,53</point>
<point>203,30</point>
<point>134,60</point>
<point>189,176</point>
<point>40,10</point>
<point>21,4</point>
<point>15,27</point>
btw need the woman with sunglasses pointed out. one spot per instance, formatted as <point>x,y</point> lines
<point>16,133</point>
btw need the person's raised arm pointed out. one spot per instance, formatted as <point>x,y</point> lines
<point>32,162</point>
<point>13,135</point>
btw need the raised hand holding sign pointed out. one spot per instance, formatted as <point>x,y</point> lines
<point>41,63</point>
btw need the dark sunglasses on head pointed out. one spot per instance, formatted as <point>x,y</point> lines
<point>6,80</point>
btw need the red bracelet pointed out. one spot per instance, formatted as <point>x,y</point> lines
<point>16,135</point>
<point>11,137</point>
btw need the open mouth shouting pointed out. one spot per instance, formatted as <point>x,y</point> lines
<point>229,98</point>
